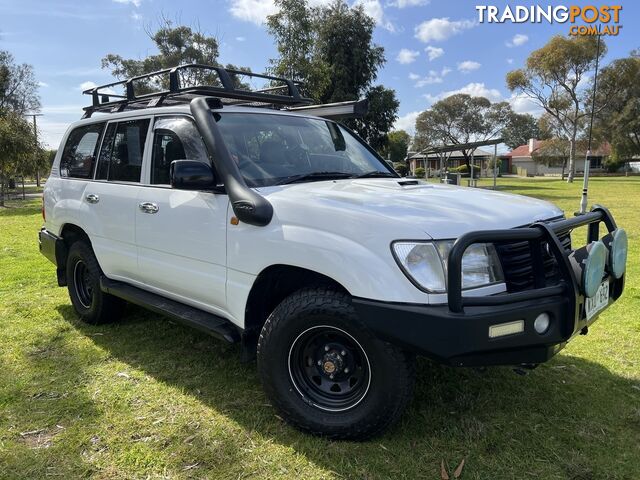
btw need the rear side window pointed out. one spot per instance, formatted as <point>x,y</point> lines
<point>80,151</point>
<point>122,151</point>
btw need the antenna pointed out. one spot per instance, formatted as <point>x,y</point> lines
<point>587,161</point>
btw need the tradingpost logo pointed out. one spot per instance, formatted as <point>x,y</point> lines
<point>583,20</point>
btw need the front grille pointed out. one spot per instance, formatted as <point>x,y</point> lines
<point>517,263</point>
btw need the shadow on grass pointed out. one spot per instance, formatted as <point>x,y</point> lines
<point>20,208</point>
<point>570,418</point>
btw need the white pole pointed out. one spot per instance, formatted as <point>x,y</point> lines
<point>495,164</point>
<point>585,183</point>
<point>471,169</point>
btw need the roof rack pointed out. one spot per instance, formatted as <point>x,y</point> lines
<point>225,86</point>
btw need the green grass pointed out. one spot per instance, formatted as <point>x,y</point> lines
<point>145,398</point>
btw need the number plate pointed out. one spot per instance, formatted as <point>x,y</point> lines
<point>599,301</point>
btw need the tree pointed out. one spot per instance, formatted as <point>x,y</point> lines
<point>379,119</point>
<point>401,168</point>
<point>17,147</point>
<point>344,44</point>
<point>519,129</point>
<point>330,50</point>
<point>460,119</point>
<point>18,86</point>
<point>176,45</point>
<point>397,146</point>
<point>552,78</point>
<point>618,121</point>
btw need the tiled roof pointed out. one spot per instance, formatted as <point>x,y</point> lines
<point>603,149</point>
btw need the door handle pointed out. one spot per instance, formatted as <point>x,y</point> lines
<point>148,207</point>
<point>92,198</point>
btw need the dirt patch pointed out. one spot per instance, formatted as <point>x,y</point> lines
<point>41,438</point>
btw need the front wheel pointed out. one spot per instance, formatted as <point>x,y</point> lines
<point>326,373</point>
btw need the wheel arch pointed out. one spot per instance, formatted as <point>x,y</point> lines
<point>69,234</point>
<point>272,285</point>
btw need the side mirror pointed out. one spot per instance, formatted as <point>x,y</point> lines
<point>191,175</point>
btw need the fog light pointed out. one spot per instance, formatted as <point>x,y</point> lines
<point>594,268</point>
<point>541,323</point>
<point>504,329</point>
<point>618,252</point>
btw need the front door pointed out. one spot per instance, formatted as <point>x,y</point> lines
<point>181,234</point>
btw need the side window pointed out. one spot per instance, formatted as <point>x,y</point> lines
<point>175,138</point>
<point>79,154</point>
<point>122,151</point>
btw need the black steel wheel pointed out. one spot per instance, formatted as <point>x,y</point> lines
<point>329,368</point>
<point>83,281</point>
<point>326,373</point>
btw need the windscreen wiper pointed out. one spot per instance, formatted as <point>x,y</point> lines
<point>313,176</point>
<point>375,174</point>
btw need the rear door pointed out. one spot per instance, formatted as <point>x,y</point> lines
<point>181,234</point>
<point>112,197</point>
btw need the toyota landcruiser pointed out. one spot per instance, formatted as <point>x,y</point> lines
<point>258,218</point>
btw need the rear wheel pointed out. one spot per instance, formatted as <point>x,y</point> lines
<point>326,373</point>
<point>83,282</point>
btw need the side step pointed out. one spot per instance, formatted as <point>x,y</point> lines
<point>191,316</point>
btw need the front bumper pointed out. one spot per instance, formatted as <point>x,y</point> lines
<point>457,333</point>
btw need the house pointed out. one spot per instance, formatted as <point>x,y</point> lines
<point>435,161</point>
<point>542,157</point>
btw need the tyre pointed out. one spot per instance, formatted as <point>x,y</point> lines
<point>326,373</point>
<point>83,281</point>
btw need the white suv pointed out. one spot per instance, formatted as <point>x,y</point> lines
<point>287,233</point>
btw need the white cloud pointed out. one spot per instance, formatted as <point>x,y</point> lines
<point>408,3</point>
<point>254,11</point>
<point>374,9</point>
<point>257,11</point>
<point>406,56</point>
<point>434,52</point>
<point>475,89</point>
<point>43,84</point>
<point>87,85</point>
<point>135,3</point>
<point>517,40</point>
<point>510,61</point>
<point>240,39</point>
<point>439,29</point>
<point>407,122</point>
<point>522,104</point>
<point>431,78</point>
<point>468,66</point>
<point>136,17</point>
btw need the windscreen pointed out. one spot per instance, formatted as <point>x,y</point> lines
<point>274,149</point>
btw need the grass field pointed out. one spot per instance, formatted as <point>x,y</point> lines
<point>145,398</point>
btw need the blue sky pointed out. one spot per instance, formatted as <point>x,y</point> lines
<point>433,47</point>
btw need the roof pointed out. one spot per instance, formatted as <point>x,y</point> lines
<point>522,151</point>
<point>455,154</point>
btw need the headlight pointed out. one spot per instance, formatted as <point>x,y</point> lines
<point>426,264</point>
